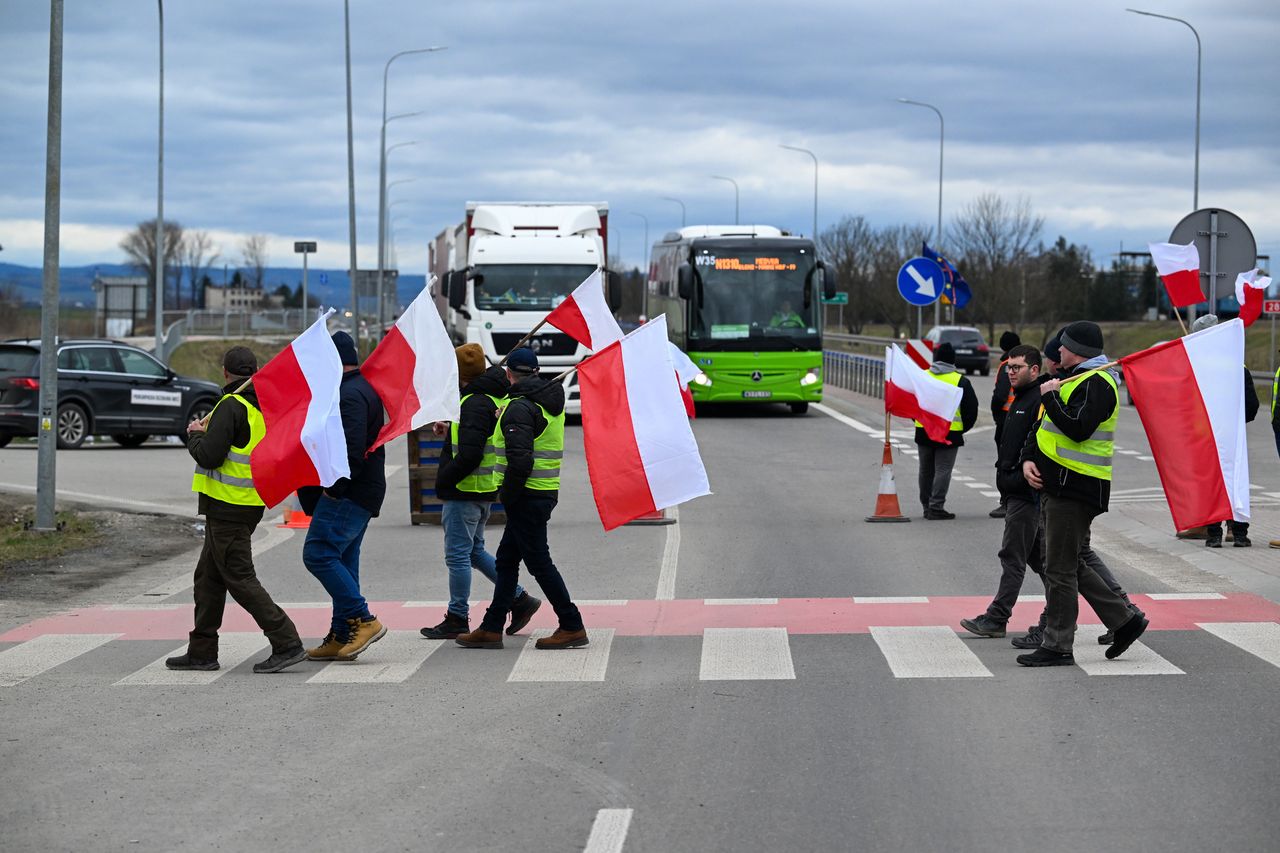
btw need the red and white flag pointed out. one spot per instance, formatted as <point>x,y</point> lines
<point>585,316</point>
<point>298,395</point>
<point>1190,395</point>
<point>686,371</point>
<point>414,370</point>
<point>1179,268</point>
<point>910,392</point>
<point>641,453</point>
<point>1250,290</point>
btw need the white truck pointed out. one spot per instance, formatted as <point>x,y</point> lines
<point>508,264</point>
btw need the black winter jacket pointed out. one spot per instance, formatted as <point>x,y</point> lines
<point>476,423</point>
<point>228,427</point>
<point>1250,397</point>
<point>1091,403</point>
<point>362,420</point>
<point>522,422</point>
<point>968,416</point>
<point>1021,418</point>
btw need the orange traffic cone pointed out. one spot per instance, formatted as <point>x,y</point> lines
<point>887,508</point>
<point>294,517</point>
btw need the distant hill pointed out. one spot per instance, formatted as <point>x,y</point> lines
<point>75,284</point>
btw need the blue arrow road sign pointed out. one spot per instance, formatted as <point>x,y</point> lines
<point>920,281</point>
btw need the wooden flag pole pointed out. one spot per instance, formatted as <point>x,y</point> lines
<point>523,340</point>
<point>887,416</point>
<point>1181,322</point>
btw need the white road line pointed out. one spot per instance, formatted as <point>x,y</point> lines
<point>928,651</point>
<point>43,653</point>
<point>990,494</point>
<point>603,602</point>
<point>585,664</point>
<point>745,654</point>
<point>109,500</point>
<point>1137,660</point>
<point>959,479</point>
<point>1035,596</point>
<point>391,660</point>
<point>234,648</point>
<point>1127,452</point>
<point>977,485</point>
<point>731,601</point>
<point>848,421</point>
<point>391,469</point>
<point>1261,639</point>
<point>890,599</point>
<point>609,831</point>
<point>425,604</point>
<point>670,559</point>
<point>1185,596</point>
<point>1146,459</point>
<point>274,536</point>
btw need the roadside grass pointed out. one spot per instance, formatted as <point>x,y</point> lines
<point>203,359</point>
<point>20,544</point>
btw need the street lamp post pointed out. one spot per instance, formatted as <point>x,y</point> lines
<point>646,242</point>
<point>735,195</point>
<point>942,141</point>
<point>679,202</point>
<point>815,186</point>
<point>1195,196</point>
<point>159,262</point>
<point>382,237</point>
<point>351,183</point>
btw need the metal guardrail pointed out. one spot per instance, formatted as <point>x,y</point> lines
<point>859,339</point>
<point>862,374</point>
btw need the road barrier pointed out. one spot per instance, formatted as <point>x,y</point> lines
<point>424,462</point>
<point>862,374</point>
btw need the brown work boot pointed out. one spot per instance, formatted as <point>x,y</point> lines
<point>480,639</point>
<point>563,639</point>
<point>329,649</point>
<point>361,634</point>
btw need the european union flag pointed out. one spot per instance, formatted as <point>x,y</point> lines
<point>957,289</point>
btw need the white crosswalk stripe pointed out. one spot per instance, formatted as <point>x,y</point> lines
<point>589,663</point>
<point>391,660</point>
<point>233,649</point>
<point>29,659</point>
<point>1261,639</point>
<point>745,654</point>
<point>927,651</point>
<point>1138,659</point>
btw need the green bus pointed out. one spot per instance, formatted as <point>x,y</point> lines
<point>745,303</point>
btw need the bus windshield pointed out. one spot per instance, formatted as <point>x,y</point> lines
<point>527,287</point>
<point>754,298</point>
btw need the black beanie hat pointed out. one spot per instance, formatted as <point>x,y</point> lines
<point>1053,350</point>
<point>1083,338</point>
<point>346,349</point>
<point>1009,340</point>
<point>944,353</point>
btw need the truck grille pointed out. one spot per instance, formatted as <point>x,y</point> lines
<point>549,343</point>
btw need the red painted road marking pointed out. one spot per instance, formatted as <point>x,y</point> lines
<point>682,618</point>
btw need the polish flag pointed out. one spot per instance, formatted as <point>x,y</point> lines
<point>1179,268</point>
<point>1250,288</point>
<point>910,392</point>
<point>298,395</point>
<point>585,316</point>
<point>686,370</point>
<point>641,453</point>
<point>1189,394</point>
<point>414,370</point>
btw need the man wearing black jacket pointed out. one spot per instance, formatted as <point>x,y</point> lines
<point>340,515</point>
<point>1023,543</point>
<point>1067,458</point>
<point>938,459</point>
<point>231,509</point>
<point>1002,398</point>
<point>467,484</point>
<point>531,438</point>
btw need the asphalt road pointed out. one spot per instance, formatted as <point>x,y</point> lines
<point>771,673</point>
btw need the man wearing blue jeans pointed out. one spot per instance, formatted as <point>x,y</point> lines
<point>340,515</point>
<point>467,484</point>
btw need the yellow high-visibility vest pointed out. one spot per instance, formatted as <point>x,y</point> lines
<point>232,481</point>
<point>548,451</point>
<point>485,477</point>
<point>1092,456</point>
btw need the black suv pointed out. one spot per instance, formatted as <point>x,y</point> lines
<point>104,388</point>
<point>972,353</point>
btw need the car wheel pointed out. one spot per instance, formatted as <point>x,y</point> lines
<point>5,438</point>
<point>199,409</point>
<point>798,408</point>
<point>129,440</point>
<point>73,426</point>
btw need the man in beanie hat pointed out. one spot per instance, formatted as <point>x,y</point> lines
<point>221,446</point>
<point>938,459</point>
<point>340,515</point>
<point>530,440</point>
<point>1001,398</point>
<point>467,484</point>
<point>1068,459</point>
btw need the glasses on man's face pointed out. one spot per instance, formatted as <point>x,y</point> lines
<point>1014,368</point>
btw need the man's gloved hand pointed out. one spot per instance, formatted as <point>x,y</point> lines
<point>510,495</point>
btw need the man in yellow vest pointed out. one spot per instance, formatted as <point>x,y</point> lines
<point>938,459</point>
<point>467,484</point>
<point>1068,458</point>
<point>231,509</point>
<point>530,449</point>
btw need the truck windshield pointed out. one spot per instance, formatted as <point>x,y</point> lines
<point>527,287</point>
<point>754,299</point>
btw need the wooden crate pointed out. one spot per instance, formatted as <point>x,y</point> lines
<point>424,462</point>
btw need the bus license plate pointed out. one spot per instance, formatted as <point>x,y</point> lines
<point>757,394</point>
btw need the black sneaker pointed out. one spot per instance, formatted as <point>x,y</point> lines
<point>983,626</point>
<point>1126,635</point>
<point>1031,640</point>
<point>1107,638</point>
<point>1213,541</point>
<point>282,660</point>
<point>998,512</point>
<point>522,610</point>
<point>938,515</point>
<point>449,629</point>
<point>1242,541</point>
<point>1044,657</point>
<point>187,662</point>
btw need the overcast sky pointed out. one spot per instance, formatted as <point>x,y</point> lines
<point>1087,110</point>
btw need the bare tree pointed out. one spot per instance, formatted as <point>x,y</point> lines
<point>198,254</point>
<point>847,247</point>
<point>140,247</point>
<point>993,239</point>
<point>253,252</point>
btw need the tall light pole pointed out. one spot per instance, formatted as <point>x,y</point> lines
<point>1195,196</point>
<point>646,243</point>
<point>382,237</point>
<point>679,202</point>
<point>159,262</point>
<point>735,195</point>
<point>351,183</point>
<point>382,169</point>
<point>937,236</point>
<point>815,186</point>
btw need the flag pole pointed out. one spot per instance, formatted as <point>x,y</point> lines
<point>523,340</point>
<point>1181,322</point>
<point>886,427</point>
<point>563,375</point>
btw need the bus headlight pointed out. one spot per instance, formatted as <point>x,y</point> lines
<point>703,380</point>
<point>812,377</point>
